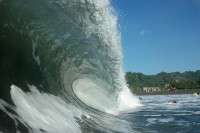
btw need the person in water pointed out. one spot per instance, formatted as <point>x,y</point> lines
<point>140,98</point>
<point>172,101</point>
<point>197,92</point>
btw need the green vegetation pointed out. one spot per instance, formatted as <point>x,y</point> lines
<point>186,80</point>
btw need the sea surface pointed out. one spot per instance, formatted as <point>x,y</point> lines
<point>61,72</point>
<point>158,116</point>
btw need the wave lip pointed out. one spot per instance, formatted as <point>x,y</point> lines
<point>73,48</point>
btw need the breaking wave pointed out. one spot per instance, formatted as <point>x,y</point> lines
<point>61,66</point>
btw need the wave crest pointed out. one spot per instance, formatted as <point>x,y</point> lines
<point>69,49</point>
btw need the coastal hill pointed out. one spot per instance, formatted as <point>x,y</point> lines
<point>164,81</point>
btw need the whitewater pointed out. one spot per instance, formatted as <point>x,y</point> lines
<point>61,71</point>
<point>61,66</point>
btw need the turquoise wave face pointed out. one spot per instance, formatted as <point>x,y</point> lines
<point>67,51</point>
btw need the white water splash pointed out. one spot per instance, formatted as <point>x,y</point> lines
<point>42,111</point>
<point>126,100</point>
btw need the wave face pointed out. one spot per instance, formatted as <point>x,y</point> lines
<point>61,64</point>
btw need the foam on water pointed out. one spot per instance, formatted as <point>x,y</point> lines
<point>71,50</point>
<point>127,101</point>
<point>45,112</point>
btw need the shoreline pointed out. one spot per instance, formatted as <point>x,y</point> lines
<point>174,92</point>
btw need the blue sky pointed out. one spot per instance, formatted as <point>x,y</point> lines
<point>159,35</point>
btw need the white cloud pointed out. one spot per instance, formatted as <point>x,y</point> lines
<point>144,32</point>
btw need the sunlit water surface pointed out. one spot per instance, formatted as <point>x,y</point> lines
<point>157,115</point>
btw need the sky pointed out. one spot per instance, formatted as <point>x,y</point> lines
<point>159,35</point>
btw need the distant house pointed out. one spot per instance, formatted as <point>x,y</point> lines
<point>151,89</point>
<point>167,86</point>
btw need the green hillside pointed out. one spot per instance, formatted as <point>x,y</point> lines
<point>186,80</point>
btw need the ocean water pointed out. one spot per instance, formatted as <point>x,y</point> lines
<point>158,116</point>
<point>61,67</point>
<point>61,71</point>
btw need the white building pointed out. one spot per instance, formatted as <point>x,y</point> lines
<point>150,89</point>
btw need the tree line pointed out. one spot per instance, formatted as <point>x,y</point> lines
<point>185,80</point>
